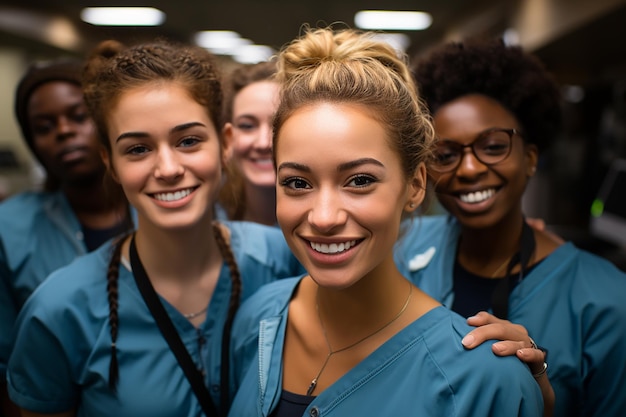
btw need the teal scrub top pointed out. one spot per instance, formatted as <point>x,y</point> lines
<point>572,303</point>
<point>62,351</point>
<point>423,370</point>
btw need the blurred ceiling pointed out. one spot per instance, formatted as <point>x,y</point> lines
<point>578,38</point>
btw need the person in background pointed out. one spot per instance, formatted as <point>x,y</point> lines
<point>249,192</point>
<point>43,230</point>
<point>353,336</point>
<point>494,108</point>
<point>141,326</point>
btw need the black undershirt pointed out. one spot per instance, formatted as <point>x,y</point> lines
<point>93,238</point>
<point>292,405</point>
<point>472,293</point>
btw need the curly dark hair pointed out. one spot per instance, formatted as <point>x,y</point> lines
<point>516,79</point>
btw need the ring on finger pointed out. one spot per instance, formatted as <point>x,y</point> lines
<point>532,343</point>
<point>543,371</point>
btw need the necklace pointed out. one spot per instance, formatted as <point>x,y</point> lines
<point>331,352</point>
<point>194,315</point>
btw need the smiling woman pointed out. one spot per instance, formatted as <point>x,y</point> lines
<point>494,108</point>
<point>146,329</point>
<point>351,142</point>
<point>251,100</point>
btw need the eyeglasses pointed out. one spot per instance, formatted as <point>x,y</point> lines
<point>490,147</point>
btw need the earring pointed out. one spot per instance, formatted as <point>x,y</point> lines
<point>411,205</point>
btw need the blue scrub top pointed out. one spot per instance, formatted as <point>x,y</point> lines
<point>423,370</point>
<point>573,303</point>
<point>62,352</point>
<point>39,233</point>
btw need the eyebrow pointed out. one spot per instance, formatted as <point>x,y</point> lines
<point>342,167</point>
<point>175,129</point>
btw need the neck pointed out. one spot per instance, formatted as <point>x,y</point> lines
<point>363,306</point>
<point>485,248</point>
<point>179,255</point>
<point>260,204</point>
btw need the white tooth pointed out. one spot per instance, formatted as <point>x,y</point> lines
<point>333,247</point>
<point>172,196</point>
<point>478,196</point>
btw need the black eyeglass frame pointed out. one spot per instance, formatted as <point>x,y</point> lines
<point>509,131</point>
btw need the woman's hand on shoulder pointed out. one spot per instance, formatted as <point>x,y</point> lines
<point>513,340</point>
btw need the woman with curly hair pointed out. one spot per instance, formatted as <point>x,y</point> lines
<point>353,336</point>
<point>141,327</point>
<point>494,108</point>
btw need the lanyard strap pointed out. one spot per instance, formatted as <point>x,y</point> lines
<point>500,296</point>
<point>170,334</point>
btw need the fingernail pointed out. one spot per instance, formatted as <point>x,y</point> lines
<point>498,346</point>
<point>468,340</point>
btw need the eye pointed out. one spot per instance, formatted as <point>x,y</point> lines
<point>495,143</point>
<point>295,183</point>
<point>189,141</point>
<point>446,155</point>
<point>42,128</point>
<point>361,181</point>
<point>246,126</point>
<point>79,117</point>
<point>137,150</point>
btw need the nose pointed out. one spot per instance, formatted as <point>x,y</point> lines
<point>168,166</point>
<point>264,140</point>
<point>327,212</point>
<point>470,166</point>
<point>64,128</point>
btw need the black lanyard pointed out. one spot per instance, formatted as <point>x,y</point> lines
<point>500,295</point>
<point>173,338</point>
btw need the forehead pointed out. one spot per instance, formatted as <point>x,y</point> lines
<point>471,114</point>
<point>156,108</point>
<point>333,133</point>
<point>263,93</point>
<point>53,93</point>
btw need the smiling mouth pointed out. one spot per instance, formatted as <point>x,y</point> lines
<point>332,248</point>
<point>477,196</point>
<point>177,195</point>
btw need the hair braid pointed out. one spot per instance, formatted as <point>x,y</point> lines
<point>235,276</point>
<point>113,298</point>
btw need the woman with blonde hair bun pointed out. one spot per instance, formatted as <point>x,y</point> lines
<point>353,336</point>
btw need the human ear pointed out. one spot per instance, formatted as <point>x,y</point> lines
<point>106,159</point>
<point>227,143</point>
<point>532,156</point>
<point>416,188</point>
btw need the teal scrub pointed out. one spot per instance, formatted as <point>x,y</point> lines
<point>423,370</point>
<point>39,233</point>
<point>62,352</point>
<point>573,304</point>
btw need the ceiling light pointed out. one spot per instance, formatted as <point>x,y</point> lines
<point>392,20</point>
<point>251,54</point>
<point>123,16</point>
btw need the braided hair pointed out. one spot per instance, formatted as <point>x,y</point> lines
<point>113,69</point>
<point>113,295</point>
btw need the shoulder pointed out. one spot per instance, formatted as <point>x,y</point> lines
<point>23,206</point>
<point>255,244</point>
<point>77,283</point>
<point>426,230</point>
<point>460,365</point>
<point>268,301</point>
